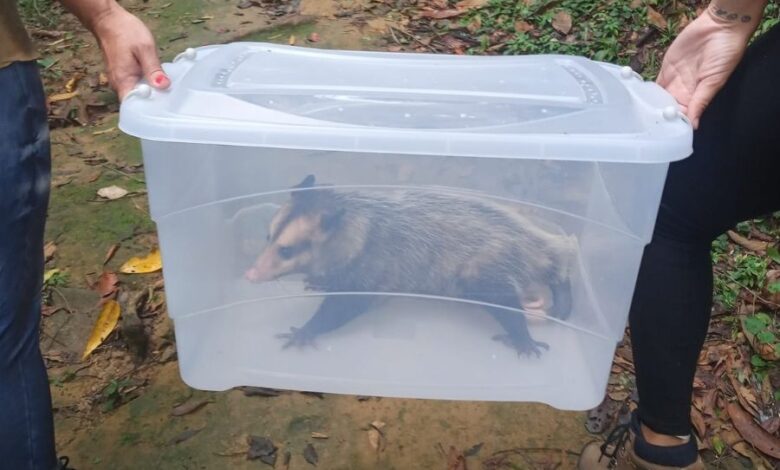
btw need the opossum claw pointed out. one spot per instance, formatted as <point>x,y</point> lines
<point>523,347</point>
<point>297,338</point>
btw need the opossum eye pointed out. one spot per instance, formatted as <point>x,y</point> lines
<point>287,252</point>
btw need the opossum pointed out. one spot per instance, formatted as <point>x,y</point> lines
<point>415,241</point>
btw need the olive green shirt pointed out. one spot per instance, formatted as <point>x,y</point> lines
<point>15,45</point>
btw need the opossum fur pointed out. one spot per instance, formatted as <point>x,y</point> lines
<point>429,242</point>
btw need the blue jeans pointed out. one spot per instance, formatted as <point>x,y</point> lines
<point>26,423</point>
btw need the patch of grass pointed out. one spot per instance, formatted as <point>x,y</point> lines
<point>605,31</point>
<point>129,438</point>
<point>42,13</point>
<point>771,18</point>
<point>749,270</point>
<point>112,394</point>
<point>77,213</point>
<point>60,380</point>
<point>305,424</point>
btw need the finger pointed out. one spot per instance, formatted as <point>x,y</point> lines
<point>123,85</point>
<point>702,96</point>
<point>150,64</point>
<point>664,77</point>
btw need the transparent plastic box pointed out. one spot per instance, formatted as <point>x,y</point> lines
<point>403,225</point>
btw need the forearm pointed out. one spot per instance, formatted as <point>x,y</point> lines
<point>90,12</point>
<point>743,13</point>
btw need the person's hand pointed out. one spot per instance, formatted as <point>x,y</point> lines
<point>701,59</point>
<point>129,51</point>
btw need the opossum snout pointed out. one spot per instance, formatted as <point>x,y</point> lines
<point>255,275</point>
<point>263,269</point>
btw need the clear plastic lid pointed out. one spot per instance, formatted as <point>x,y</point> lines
<point>542,106</point>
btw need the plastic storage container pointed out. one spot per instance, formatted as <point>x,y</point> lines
<point>472,227</point>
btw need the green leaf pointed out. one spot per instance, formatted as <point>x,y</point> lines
<point>774,287</point>
<point>600,55</point>
<point>777,395</point>
<point>754,324</point>
<point>766,337</point>
<point>46,62</point>
<point>764,318</point>
<point>756,361</point>
<point>773,253</point>
<point>718,445</point>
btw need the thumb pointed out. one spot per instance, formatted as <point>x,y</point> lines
<point>701,98</point>
<point>150,64</point>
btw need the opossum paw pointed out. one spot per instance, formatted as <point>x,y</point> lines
<point>296,337</point>
<point>523,347</point>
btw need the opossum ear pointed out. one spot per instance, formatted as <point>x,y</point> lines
<point>307,182</point>
<point>332,220</point>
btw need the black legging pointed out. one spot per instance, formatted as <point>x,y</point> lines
<point>733,175</point>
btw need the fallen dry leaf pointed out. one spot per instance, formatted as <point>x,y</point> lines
<point>656,19</point>
<point>60,181</point>
<point>698,423</point>
<point>378,425</point>
<point>759,462</point>
<point>474,25</point>
<point>771,425</point>
<point>752,432</point>
<point>682,23</point>
<point>561,22</point>
<point>106,284</point>
<point>189,406</point>
<point>469,4</point>
<point>62,96</point>
<point>104,325</point>
<point>48,274</point>
<point>619,395</point>
<point>49,310</point>
<point>291,41</point>
<point>748,400</point>
<point>310,454</point>
<point>48,251</point>
<point>314,37</point>
<point>523,26</point>
<point>752,245</point>
<point>102,79</point>
<point>456,460</point>
<point>148,264</point>
<point>184,435</point>
<point>262,448</point>
<point>474,450</point>
<point>319,435</point>
<point>70,87</point>
<point>110,253</point>
<point>376,437</point>
<point>441,14</point>
<point>112,192</point>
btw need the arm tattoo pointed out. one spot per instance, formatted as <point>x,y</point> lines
<point>729,15</point>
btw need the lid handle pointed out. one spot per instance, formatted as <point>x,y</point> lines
<point>142,91</point>
<point>189,54</point>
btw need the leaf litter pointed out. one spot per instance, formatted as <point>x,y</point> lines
<point>143,265</point>
<point>104,326</point>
